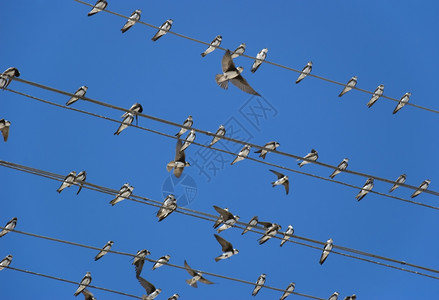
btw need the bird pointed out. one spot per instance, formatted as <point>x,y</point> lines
<point>88,295</point>
<point>6,76</point>
<point>135,109</point>
<point>127,121</point>
<point>139,260</point>
<point>150,289</point>
<point>5,262</point>
<point>252,223</point>
<point>287,235</point>
<point>179,161</point>
<point>239,51</point>
<point>9,226</point>
<point>401,179</point>
<point>376,95</point>
<point>161,261</point>
<point>196,276</point>
<point>227,218</point>
<point>226,247</point>
<point>104,250</point>
<point>313,156</point>
<point>270,145</point>
<point>281,180</point>
<point>402,102</point>
<point>368,186</point>
<point>125,192</point>
<point>305,71</point>
<point>189,139</point>
<point>353,297</point>
<point>168,206</point>
<point>259,283</point>
<point>4,82</point>
<point>80,179</point>
<point>213,45</point>
<point>68,181</point>
<point>334,296</point>
<point>188,123</point>
<point>219,133</point>
<point>174,297</point>
<point>78,94</point>
<point>233,74</point>
<point>242,154</point>
<point>4,128</point>
<point>326,249</point>
<point>422,187</point>
<point>163,30</point>
<point>135,16</point>
<point>341,167</point>
<point>99,6</point>
<point>349,86</point>
<point>220,219</point>
<point>271,230</point>
<point>288,291</point>
<point>260,57</point>
<point>83,284</point>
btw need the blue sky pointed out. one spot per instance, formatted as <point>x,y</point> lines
<point>54,43</point>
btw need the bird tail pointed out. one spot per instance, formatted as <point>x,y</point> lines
<point>300,164</point>
<point>332,175</point>
<point>156,37</point>
<point>263,155</point>
<point>222,81</point>
<point>203,54</point>
<point>193,284</point>
<point>397,108</point>
<point>393,188</point>
<point>217,259</point>
<point>80,188</point>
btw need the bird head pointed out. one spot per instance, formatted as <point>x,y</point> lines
<point>240,69</point>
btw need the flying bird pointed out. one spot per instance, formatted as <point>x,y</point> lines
<point>5,262</point>
<point>78,94</point>
<point>88,295</point>
<point>196,276</point>
<point>9,226</point>
<point>341,167</point>
<point>219,133</point>
<point>288,291</point>
<point>242,154</point>
<point>213,45</point>
<point>281,180</point>
<point>99,6</point>
<point>80,179</point>
<point>135,109</point>
<point>220,219</point>
<point>4,128</point>
<point>104,250</point>
<point>188,123</point>
<point>313,156</point>
<point>161,261</point>
<point>422,187</point>
<point>189,139</point>
<point>125,192</point>
<point>127,121</point>
<point>135,16</point>
<point>68,181</point>
<point>334,296</point>
<point>376,95</point>
<point>168,206</point>
<point>163,30</point>
<point>402,102</point>
<point>259,283</point>
<point>227,218</point>
<point>226,247</point>
<point>139,260</point>
<point>287,235</point>
<point>260,57</point>
<point>150,289</point>
<point>83,284</point>
<point>401,179</point>
<point>239,51</point>
<point>368,186</point>
<point>349,86</point>
<point>252,223</point>
<point>326,250</point>
<point>270,145</point>
<point>305,71</point>
<point>179,161</point>
<point>5,77</point>
<point>174,297</point>
<point>353,297</point>
<point>271,230</point>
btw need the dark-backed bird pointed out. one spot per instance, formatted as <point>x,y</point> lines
<point>326,250</point>
<point>188,141</point>
<point>252,223</point>
<point>349,86</point>
<point>422,187</point>
<point>334,296</point>
<point>227,218</point>
<point>239,51</point>
<point>135,109</point>
<point>313,156</point>
<point>68,181</point>
<point>135,16</point>
<point>104,250</point>
<point>139,260</point>
<point>287,234</point>
<point>269,146</point>
<point>80,179</point>
<point>99,6</point>
<point>125,192</point>
<point>226,247</point>
<point>376,95</point>
<point>150,289</point>
<point>4,128</point>
<point>259,283</point>
<point>400,180</point>
<point>164,29</point>
<point>260,57</point>
<point>213,45</point>
<point>83,284</point>
<point>5,262</point>
<point>242,154</point>
<point>7,75</point>
<point>288,291</point>
<point>305,71</point>
<point>219,133</point>
<point>196,276</point>
<point>127,121</point>
<point>188,123</point>
<point>168,206</point>
<point>368,186</point>
<point>402,102</point>
<point>9,226</point>
<point>179,162</point>
<point>161,261</point>
<point>78,94</point>
<point>281,180</point>
<point>341,167</point>
<point>271,230</point>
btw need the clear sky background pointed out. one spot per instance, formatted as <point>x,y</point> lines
<point>394,43</point>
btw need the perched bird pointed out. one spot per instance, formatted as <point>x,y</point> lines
<point>353,297</point>
<point>174,297</point>
<point>88,295</point>
<point>127,121</point>
<point>271,230</point>
<point>288,291</point>
<point>80,179</point>
<point>226,217</point>
<point>139,260</point>
<point>242,154</point>
<point>422,187</point>
<point>349,86</point>
<point>376,95</point>
<point>232,74</point>
<point>259,283</point>
<point>281,180</point>
<point>104,250</point>
<point>239,51</point>
<point>168,206</point>
<point>334,296</point>
<point>161,261</point>
<point>4,128</point>
<point>189,139</point>
<point>313,156</point>
<point>68,181</point>
<point>226,247</point>
<point>9,226</point>
<point>125,192</point>
<point>163,30</point>
<point>213,45</point>
<point>326,249</point>
<point>305,71</point>
<point>99,6</point>
<point>5,262</point>
<point>368,186</point>
<point>401,179</point>
<point>270,145</point>
<point>252,223</point>
<point>83,284</point>
<point>179,161</point>
<point>5,77</point>
<point>78,94</point>
<point>341,167</point>
<point>402,102</point>
<point>219,133</point>
<point>287,235</point>
<point>188,123</point>
<point>260,57</point>
<point>220,219</point>
<point>135,109</point>
<point>150,289</point>
<point>196,276</point>
<point>135,16</point>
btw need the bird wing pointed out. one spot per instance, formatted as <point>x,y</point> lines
<point>279,175</point>
<point>204,280</point>
<point>226,246</point>
<point>189,270</point>
<point>148,286</point>
<point>179,155</point>
<point>227,62</point>
<point>224,213</point>
<point>266,224</point>
<point>5,132</point>
<point>243,85</point>
<point>287,186</point>
<point>139,266</point>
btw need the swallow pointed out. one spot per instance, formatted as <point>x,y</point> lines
<point>326,249</point>
<point>80,179</point>
<point>9,227</point>
<point>139,260</point>
<point>270,231</point>
<point>135,109</point>
<point>376,95</point>
<point>188,123</point>
<point>163,30</point>
<point>150,289</point>
<point>219,133</point>
<point>5,262</point>
<point>242,154</point>
<point>259,283</point>
<point>401,179</point>
<point>353,297</point>
<point>368,186</point>
<point>179,161</point>
<point>196,276</point>
<point>189,139</point>
<point>78,94</point>
<point>127,121</point>
<point>252,223</point>
<point>5,77</point>
<point>68,181</point>
<point>125,192</point>
<point>313,156</point>
<point>135,16</point>
<point>305,71</point>
<point>422,187</point>
<point>287,235</point>
<point>213,45</point>
<point>341,167</point>
<point>281,180</point>
<point>88,295</point>
<point>104,250</point>
<point>239,51</point>
<point>99,6</point>
<point>174,297</point>
<point>161,261</point>
<point>260,57</point>
<point>83,284</point>
<point>334,296</point>
<point>220,219</point>
<point>226,217</point>
<point>288,291</point>
<point>349,86</point>
<point>226,247</point>
<point>4,128</point>
<point>168,206</point>
<point>402,102</point>
<point>270,145</point>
